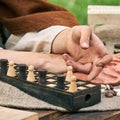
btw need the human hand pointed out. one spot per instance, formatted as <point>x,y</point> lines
<point>88,54</point>
<point>91,60</point>
<point>76,33</point>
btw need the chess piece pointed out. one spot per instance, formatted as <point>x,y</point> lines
<point>3,66</point>
<point>69,73</point>
<point>116,48</point>
<point>31,75</point>
<point>42,76</point>
<point>22,75</point>
<point>11,70</point>
<point>73,85</point>
<point>60,81</point>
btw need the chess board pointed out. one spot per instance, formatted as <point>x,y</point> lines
<point>112,46</point>
<point>49,88</point>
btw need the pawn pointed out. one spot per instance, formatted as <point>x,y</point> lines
<point>69,73</point>
<point>11,70</point>
<point>31,75</point>
<point>3,67</point>
<point>73,85</point>
<point>22,75</point>
<point>60,81</point>
<point>42,76</point>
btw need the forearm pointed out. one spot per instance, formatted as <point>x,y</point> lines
<point>52,62</point>
<point>35,42</point>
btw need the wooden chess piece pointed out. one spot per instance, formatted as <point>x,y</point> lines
<point>42,76</point>
<point>73,85</point>
<point>69,73</point>
<point>31,75</point>
<point>22,75</point>
<point>11,70</point>
<point>3,66</point>
<point>60,81</point>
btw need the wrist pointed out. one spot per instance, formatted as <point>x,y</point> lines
<point>55,63</point>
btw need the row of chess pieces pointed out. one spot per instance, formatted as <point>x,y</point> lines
<point>116,47</point>
<point>8,68</point>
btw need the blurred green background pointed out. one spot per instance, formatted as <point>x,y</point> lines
<point>79,7</point>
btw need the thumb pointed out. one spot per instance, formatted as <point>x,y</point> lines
<point>86,33</point>
<point>82,35</point>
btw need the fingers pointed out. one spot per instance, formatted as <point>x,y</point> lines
<point>83,34</point>
<point>105,60</point>
<point>98,65</point>
<point>82,68</point>
<point>94,72</point>
<point>102,53</point>
<point>67,57</point>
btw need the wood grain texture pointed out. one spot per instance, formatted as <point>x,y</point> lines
<point>108,115</point>
<point>70,101</point>
<point>14,114</point>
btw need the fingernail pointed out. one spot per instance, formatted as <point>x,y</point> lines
<point>85,45</point>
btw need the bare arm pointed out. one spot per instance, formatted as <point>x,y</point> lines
<point>86,52</point>
<point>52,62</point>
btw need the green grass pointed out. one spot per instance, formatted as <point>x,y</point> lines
<point>79,7</point>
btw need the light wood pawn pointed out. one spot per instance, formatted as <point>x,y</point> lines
<point>31,75</point>
<point>69,73</point>
<point>11,70</point>
<point>73,85</point>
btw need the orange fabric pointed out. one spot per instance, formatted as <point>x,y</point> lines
<point>21,16</point>
<point>109,75</point>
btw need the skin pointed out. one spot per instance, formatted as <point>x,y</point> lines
<point>79,48</point>
<point>52,62</point>
<point>85,51</point>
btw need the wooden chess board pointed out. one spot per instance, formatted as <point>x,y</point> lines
<point>112,46</point>
<point>49,89</point>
